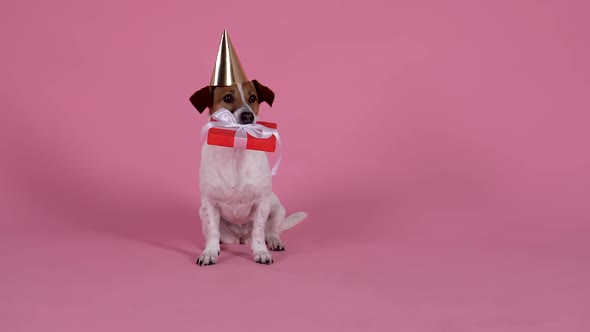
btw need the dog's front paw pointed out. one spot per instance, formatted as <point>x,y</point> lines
<point>274,243</point>
<point>208,257</point>
<point>263,257</point>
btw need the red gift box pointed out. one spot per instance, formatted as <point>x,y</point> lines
<point>226,137</point>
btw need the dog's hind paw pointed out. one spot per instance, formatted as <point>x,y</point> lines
<point>275,244</point>
<point>207,258</point>
<point>263,257</point>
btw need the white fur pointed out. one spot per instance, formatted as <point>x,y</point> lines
<point>242,95</point>
<point>238,205</point>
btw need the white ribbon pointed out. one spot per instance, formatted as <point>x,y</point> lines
<point>226,120</point>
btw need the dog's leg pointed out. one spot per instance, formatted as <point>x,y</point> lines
<point>210,218</point>
<point>273,227</point>
<point>261,213</point>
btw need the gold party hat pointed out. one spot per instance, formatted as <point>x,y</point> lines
<point>228,69</point>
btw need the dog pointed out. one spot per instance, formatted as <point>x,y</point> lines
<point>238,205</point>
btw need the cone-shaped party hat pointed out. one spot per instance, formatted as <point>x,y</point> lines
<point>228,69</point>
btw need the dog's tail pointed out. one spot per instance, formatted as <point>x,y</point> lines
<point>293,220</point>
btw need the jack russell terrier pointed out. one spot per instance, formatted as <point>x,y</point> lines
<point>237,201</point>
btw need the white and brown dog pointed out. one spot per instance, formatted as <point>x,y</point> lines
<point>237,202</point>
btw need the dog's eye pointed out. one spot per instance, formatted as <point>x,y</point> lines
<point>228,98</point>
<point>252,98</point>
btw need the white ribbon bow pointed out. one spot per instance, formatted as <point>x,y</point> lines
<point>226,120</point>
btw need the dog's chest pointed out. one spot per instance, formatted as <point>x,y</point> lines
<point>234,179</point>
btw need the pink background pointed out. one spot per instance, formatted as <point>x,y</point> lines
<point>440,148</point>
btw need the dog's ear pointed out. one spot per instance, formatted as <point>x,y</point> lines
<point>264,93</point>
<point>202,98</point>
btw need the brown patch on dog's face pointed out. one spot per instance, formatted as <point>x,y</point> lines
<point>235,97</point>
<point>246,95</point>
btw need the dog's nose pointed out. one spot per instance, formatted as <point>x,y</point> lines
<point>247,117</point>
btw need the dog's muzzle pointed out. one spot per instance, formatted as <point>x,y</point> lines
<point>245,117</point>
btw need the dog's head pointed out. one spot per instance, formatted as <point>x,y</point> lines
<point>242,99</point>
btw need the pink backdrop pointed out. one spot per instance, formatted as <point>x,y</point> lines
<point>440,148</point>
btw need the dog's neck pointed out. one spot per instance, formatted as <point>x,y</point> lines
<point>236,167</point>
